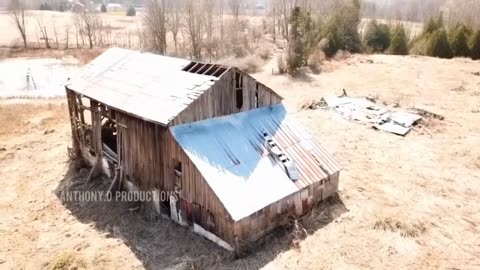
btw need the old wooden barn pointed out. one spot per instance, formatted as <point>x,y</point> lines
<point>236,165</point>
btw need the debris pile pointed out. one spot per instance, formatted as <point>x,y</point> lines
<point>363,110</point>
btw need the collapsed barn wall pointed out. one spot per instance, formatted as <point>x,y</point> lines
<point>221,99</point>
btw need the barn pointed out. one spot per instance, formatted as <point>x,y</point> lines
<point>236,165</point>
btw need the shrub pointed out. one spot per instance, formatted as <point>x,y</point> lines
<point>131,12</point>
<point>328,45</point>
<point>438,46</point>
<point>333,28</point>
<point>377,37</point>
<point>315,61</point>
<point>399,43</point>
<point>265,53</point>
<point>475,45</point>
<point>103,8</point>
<point>239,50</point>
<point>459,42</point>
<point>281,65</point>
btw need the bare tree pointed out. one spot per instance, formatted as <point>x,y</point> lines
<point>90,23</point>
<point>174,21</point>
<point>235,9</point>
<point>67,34</point>
<point>155,23</point>
<point>43,31</point>
<point>194,29</point>
<point>285,8</point>
<point>17,12</point>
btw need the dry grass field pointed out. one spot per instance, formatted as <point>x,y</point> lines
<point>405,202</point>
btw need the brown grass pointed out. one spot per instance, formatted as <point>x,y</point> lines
<point>16,119</point>
<point>68,261</point>
<point>394,225</point>
<point>84,55</point>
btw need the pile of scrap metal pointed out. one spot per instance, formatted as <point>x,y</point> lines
<point>364,110</point>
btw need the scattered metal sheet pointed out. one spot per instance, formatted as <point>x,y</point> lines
<point>363,110</point>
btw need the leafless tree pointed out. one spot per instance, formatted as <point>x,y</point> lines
<point>235,9</point>
<point>155,24</point>
<point>67,35</point>
<point>174,21</point>
<point>193,20</point>
<point>17,13</point>
<point>285,8</point>
<point>43,31</point>
<point>90,23</point>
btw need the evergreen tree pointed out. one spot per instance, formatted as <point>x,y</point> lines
<point>377,36</point>
<point>329,48</point>
<point>459,42</point>
<point>103,8</point>
<point>300,43</point>
<point>351,20</point>
<point>131,12</point>
<point>475,45</point>
<point>399,43</point>
<point>438,45</point>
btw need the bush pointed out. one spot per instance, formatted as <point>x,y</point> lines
<point>328,45</point>
<point>399,43</point>
<point>459,42</point>
<point>315,61</point>
<point>475,45</point>
<point>438,45</point>
<point>377,37</point>
<point>265,53</point>
<point>131,12</point>
<point>281,65</point>
<point>334,29</point>
<point>103,8</point>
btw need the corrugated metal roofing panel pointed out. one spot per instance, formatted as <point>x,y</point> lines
<point>150,86</point>
<point>231,155</point>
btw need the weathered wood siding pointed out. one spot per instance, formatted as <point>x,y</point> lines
<point>255,226</point>
<point>143,152</point>
<point>197,201</point>
<point>220,99</point>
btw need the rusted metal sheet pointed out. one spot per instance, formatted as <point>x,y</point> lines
<point>231,155</point>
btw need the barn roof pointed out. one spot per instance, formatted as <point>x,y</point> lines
<point>231,155</point>
<point>149,86</point>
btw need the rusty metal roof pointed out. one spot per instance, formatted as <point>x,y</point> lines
<point>149,86</point>
<point>231,154</point>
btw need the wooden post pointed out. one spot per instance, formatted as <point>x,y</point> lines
<point>97,141</point>
<point>73,122</point>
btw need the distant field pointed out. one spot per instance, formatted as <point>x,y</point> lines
<point>118,28</point>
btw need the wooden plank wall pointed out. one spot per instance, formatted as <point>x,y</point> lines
<point>143,152</point>
<point>253,227</point>
<point>220,100</point>
<point>197,200</point>
<point>150,155</point>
